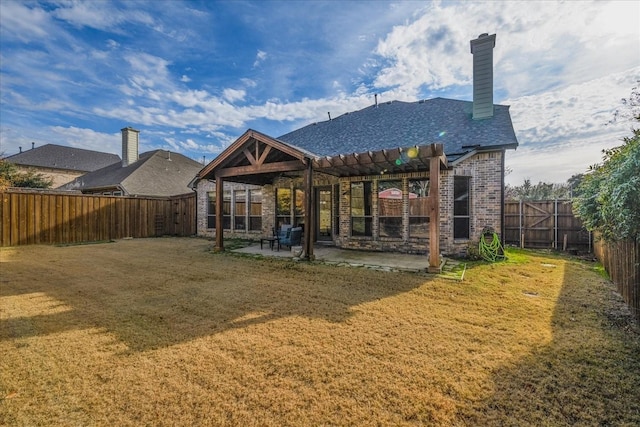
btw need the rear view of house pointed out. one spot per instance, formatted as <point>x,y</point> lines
<point>414,177</point>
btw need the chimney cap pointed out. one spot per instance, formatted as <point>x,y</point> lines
<point>483,42</point>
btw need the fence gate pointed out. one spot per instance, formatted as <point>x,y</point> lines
<point>548,224</point>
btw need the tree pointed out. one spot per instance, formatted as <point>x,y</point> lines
<point>539,191</point>
<point>11,176</point>
<point>609,199</point>
<point>630,107</point>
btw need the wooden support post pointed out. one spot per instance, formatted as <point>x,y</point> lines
<point>309,209</point>
<point>219,202</point>
<point>434,215</point>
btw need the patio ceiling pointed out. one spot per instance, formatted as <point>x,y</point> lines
<point>258,159</point>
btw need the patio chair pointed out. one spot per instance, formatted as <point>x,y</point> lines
<point>284,229</point>
<point>292,237</point>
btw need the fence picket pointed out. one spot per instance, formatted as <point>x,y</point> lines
<point>49,217</point>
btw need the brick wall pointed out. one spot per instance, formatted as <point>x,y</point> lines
<point>205,187</point>
<point>484,170</point>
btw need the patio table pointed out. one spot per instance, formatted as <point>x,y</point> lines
<point>273,241</point>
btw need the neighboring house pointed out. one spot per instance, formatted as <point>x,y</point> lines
<point>445,156</point>
<point>61,164</point>
<point>157,173</point>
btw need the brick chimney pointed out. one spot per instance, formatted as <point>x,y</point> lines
<point>130,138</point>
<point>482,50</point>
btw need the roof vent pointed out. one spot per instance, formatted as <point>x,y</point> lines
<point>389,102</point>
<point>421,101</point>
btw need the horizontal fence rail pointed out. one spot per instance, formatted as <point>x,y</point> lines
<point>49,217</point>
<point>546,224</point>
<point>622,262</point>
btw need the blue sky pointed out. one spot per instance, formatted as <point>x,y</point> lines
<point>192,76</point>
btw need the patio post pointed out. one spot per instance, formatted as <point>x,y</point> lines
<point>308,211</point>
<point>219,202</point>
<point>434,214</point>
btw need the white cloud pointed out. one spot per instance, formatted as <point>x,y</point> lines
<point>562,132</point>
<point>185,79</point>
<point>232,95</point>
<point>99,15</point>
<point>23,22</point>
<point>539,45</point>
<point>260,57</point>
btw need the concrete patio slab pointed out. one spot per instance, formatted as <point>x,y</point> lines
<point>353,258</point>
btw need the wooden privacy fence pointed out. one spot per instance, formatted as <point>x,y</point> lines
<point>622,262</point>
<point>545,224</point>
<point>47,217</point>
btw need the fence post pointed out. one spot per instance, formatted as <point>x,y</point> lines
<point>520,224</point>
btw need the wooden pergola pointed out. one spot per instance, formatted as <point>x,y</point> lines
<point>258,159</point>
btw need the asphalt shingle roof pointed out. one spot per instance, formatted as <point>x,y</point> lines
<point>404,124</point>
<point>156,173</point>
<point>60,157</point>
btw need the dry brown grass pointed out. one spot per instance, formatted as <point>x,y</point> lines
<point>164,332</point>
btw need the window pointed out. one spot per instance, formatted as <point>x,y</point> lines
<point>255,213</point>
<point>299,208</point>
<point>461,210</point>
<point>390,208</point>
<point>226,210</point>
<point>283,206</point>
<point>361,202</point>
<point>211,210</point>
<point>418,208</point>
<point>240,211</point>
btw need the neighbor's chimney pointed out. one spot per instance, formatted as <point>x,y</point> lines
<point>482,50</point>
<point>130,138</point>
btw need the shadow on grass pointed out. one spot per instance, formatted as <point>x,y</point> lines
<point>589,374</point>
<point>176,290</point>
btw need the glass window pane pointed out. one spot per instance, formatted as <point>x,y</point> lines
<point>361,200</point>
<point>461,228</point>
<point>283,201</point>
<point>256,203</point>
<point>255,219</point>
<point>299,208</point>
<point>419,226</point>
<point>391,227</point>
<point>211,210</point>
<point>390,208</point>
<point>241,207</point>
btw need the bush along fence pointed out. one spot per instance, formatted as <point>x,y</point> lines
<point>49,217</point>
<point>546,224</point>
<point>622,261</point>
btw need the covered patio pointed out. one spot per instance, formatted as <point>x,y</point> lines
<point>258,159</point>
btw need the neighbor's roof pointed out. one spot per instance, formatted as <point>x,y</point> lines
<point>405,124</point>
<point>156,173</point>
<point>60,157</point>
